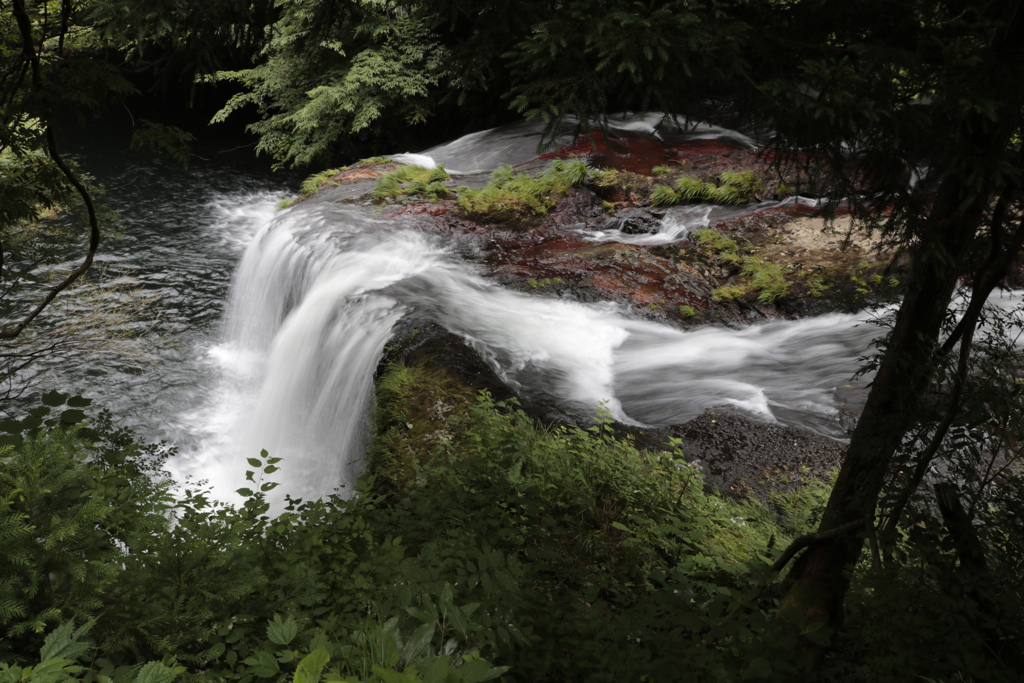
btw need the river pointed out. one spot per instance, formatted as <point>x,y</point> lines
<point>270,325</point>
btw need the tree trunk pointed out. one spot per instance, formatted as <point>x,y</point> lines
<point>820,578</point>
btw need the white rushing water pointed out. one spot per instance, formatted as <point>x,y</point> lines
<point>320,289</point>
<point>679,221</point>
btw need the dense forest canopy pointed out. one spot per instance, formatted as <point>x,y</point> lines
<point>912,110</point>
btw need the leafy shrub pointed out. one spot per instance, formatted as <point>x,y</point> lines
<point>567,553</point>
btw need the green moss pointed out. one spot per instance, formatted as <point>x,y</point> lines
<point>714,240</point>
<point>687,312</point>
<point>534,283</point>
<point>413,405</point>
<point>727,292</point>
<point>513,196</point>
<point>735,187</point>
<point>621,186</point>
<point>766,278</point>
<point>314,182</point>
<point>412,181</point>
<point>659,171</point>
<point>757,275</point>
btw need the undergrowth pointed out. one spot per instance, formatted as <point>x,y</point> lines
<point>758,277</point>
<point>563,552</point>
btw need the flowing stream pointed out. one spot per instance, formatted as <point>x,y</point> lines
<point>287,364</point>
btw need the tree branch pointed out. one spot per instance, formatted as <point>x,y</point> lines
<point>12,331</point>
<point>808,540</point>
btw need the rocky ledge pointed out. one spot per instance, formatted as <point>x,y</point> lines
<point>635,227</point>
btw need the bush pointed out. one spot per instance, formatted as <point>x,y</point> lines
<point>566,553</point>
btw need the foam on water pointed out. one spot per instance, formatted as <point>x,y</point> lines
<point>320,290</point>
<point>680,221</point>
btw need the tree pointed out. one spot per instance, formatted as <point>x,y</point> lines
<point>330,76</point>
<point>927,90</point>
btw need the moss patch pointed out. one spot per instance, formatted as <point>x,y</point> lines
<point>763,273</point>
<point>413,181</point>
<point>313,183</point>
<point>511,196</point>
<point>733,187</point>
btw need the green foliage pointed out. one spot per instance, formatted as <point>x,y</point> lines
<point>715,241</point>
<point>508,541</point>
<point>735,187</point>
<point>510,196</point>
<point>757,275</point>
<point>331,72</point>
<point>413,181</point>
<point>661,170</point>
<point>746,184</point>
<point>66,644</point>
<point>663,195</point>
<point>163,140</point>
<point>68,498</point>
<point>766,278</point>
<point>314,182</point>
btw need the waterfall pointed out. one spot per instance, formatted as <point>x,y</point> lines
<point>321,288</point>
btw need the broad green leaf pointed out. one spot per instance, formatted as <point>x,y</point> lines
<point>72,416</point>
<point>392,676</point>
<point>759,667</point>
<point>157,672</point>
<point>263,664</point>
<point>458,620</point>
<point>54,398</point>
<point>282,632</point>
<point>418,643</point>
<point>311,665</point>
<point>64,643</point>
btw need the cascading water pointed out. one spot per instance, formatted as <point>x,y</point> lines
<point>320,290</point>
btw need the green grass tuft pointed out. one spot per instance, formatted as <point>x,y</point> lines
<point>510,196</point>
<point>413,181</point>
<point>314,182</point>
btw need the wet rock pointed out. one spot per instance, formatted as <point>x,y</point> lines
<point>745,456</point>
<point>631,221</point>
<point>556,256</point>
